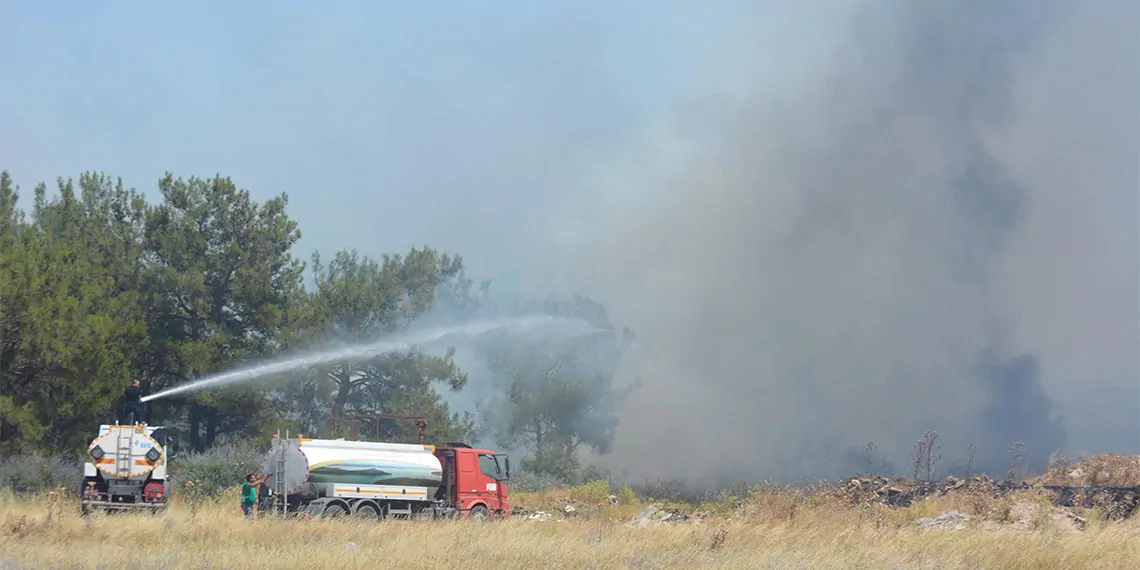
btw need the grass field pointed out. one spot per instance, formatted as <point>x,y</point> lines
<point>767,532</point>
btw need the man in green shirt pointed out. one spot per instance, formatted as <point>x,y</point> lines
<point>249,493</point>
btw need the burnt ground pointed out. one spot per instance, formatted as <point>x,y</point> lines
<point>1110,483</point>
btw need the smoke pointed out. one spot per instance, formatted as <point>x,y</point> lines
<point>857,261</point>
<point>828,223</point>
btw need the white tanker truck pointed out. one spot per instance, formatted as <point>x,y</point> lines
<point>126,469</point>
<point>336,477</point>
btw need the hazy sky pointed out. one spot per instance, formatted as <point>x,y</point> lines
<point>388,124</point>
<point>769,193</point>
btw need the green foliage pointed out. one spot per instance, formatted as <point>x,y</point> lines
<point>597,491</point>
<point>71,319</point>
<point>97,286</point>
<point>560,395</point>
<point>199,477</point>
<point>552,462</point>
<point>626,496</point>
<point>221,280</point>
<point>36,473</point>
<point>358,299</point>
<point>529,482</point>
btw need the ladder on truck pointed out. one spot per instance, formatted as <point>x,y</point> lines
<point>280,490</point>
<point>123,449</point>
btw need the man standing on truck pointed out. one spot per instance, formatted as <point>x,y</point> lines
<point>132,403</point>
<point>249,493</point>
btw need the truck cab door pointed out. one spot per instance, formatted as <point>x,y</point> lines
<point>492,481</point>
<point>504,463</point>
<point>467,480</point>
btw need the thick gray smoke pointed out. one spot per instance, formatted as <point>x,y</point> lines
<point>827,222</point>
<point>876,255</point>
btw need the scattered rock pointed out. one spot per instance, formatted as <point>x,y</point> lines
<point>1023,515</point>
<point>1118,471</point>
<point>530,514</point>
<point>639,562</point>
<point>653,515</point>
<point>645,517</point>
<point>952,520</point>
<point>1068,519</point>
<point>570,510</point>
<point>902,492</point>
<point>1028,516</point>
<point>1110,483</point>
<point>1114,503</point>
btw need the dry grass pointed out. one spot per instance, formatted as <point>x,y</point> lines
<point>771,532</point>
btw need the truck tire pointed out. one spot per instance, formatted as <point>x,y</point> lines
<point>334,510</point>
<point>368,512</point>
<point>479,513</point>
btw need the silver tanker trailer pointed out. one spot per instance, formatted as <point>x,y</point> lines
<point>338,477</point>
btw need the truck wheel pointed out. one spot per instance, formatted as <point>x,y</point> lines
<point>334,511</point>
<point>367,512</point>
<point>479,513</point>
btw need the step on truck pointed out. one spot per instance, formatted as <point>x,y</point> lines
<point>125,469</point>
<point>372,480</point>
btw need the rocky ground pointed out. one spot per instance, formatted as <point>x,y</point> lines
<point>1109,484</point>
<point>1115,471</point>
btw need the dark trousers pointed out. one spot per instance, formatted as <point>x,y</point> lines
<point>135,408</point>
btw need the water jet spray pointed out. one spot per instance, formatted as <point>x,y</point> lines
<point>574,327</point>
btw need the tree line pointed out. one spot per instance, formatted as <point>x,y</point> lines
<point>98,286</point>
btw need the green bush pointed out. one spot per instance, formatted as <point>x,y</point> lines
<point>626,496</point>
<point>205,476</point>
<point>552,465</point>
<point>526,482</point>
<point>593,492</point>
<point>34,473</point>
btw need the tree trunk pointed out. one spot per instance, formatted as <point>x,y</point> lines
<point>195,423</point>
<point>343,391</point>
<point>211,427</point>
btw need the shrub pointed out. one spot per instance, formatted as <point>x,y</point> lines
<point>626,496</point>
<point>206,476</point>
<point>552,465</point>
<point>675,491</point>
<point>597,491</point>
<point>527,482</point>
<point>34,473</point>
<point>592,472</point>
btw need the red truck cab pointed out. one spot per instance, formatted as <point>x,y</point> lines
<point>474,481</point>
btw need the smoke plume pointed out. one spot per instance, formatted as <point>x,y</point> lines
<point>857,262</point>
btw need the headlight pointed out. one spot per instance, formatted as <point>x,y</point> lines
<point>152,455</point>
<point>96,453</point>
